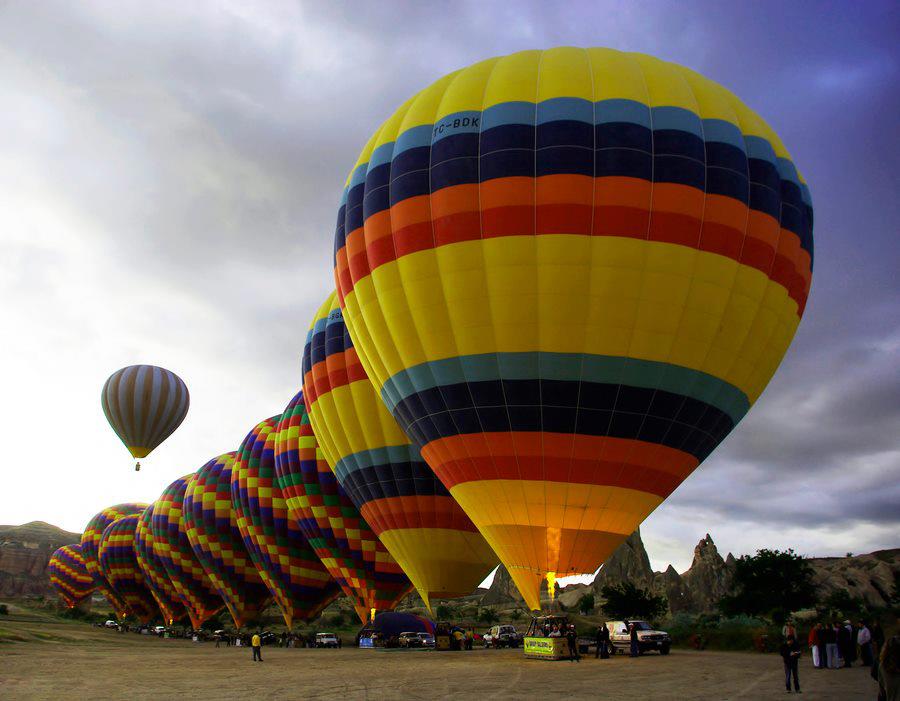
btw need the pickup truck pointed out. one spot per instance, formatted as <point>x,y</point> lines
<point>648,638</point>
<point>502,636</point>
<point>326,640</point>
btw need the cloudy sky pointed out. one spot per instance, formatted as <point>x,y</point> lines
<point>169,175</point>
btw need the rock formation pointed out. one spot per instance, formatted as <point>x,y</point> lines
<point>869,577</point>
<point>24,554</point>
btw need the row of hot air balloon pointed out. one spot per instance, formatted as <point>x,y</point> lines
<point>562,278</point>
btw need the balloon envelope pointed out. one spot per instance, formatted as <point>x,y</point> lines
<point>120,567</point>
<point>298,582</point>
<point>144,404</point>
<point>156,578</point>
<point>211,524</point>
<point>69,576</point>
<point>569,273</point>
<point>385,477</point>
<point>342,539</point>
<point>90,549</point>
<point>171,545</point>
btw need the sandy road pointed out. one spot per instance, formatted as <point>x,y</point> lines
<point>89,663</point>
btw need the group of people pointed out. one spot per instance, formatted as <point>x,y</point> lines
<point>604,646</point>
<point>835,645</point>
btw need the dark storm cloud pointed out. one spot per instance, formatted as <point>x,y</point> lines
<point>195,157</point>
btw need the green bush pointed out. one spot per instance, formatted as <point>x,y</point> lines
<point>741,633</point>
<point>4,610</point>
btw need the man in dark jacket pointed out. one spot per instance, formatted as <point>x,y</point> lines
<point>633,634</point>
<point>790,653</point>
<point>602,643</point>
<point>572,640</point>
<point>846,644</point>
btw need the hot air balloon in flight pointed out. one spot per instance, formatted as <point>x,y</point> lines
<point>569,273</point>
<point>398,495</point>
<point>171,545</point>
<point>156,579</point>
<point>344,542</point>
<point>120,567</point>
<point>90,549</point>
<point>144,404</point>
<point>211,525</point>
<point>299,584</point>
<point>69,576</point>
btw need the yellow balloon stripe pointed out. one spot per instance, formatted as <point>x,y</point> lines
<point>574,294</point>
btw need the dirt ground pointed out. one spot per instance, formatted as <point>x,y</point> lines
<point>45,658</point>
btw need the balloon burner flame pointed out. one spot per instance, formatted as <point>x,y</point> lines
<point>551,585</point>
<point>372,614</point>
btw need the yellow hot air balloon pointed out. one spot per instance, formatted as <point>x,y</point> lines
<point>399,496</point>
<point>570,273</point>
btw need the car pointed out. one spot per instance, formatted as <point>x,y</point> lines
<point>111,624</point>
<point>502,636</point>
<point>267,637</point>
<point>409,639</point>
<point>426,639</point>
<point>159,630</point>
<point>648,637</point>
<point>326,640</point>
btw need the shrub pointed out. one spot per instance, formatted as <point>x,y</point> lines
<point>4,610</point>
<point>628,601</point>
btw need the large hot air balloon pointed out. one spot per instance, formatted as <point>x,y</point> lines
<point>156,578</point>
<point>398,495</point>
<point>171,545</point>
<point>90,547</point>
<point>144,405</point>
<point>298,582</point>
<point>212,529</point>
<point>570,273</point>
<point>69,576</point>
<point>120,567</point>
<point>344,542</point>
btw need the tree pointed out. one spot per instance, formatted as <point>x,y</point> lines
<point>488,616</point>
<point>840,602</point>
<point>628,601</point>
<point>586,603</point>
<point>771,584</point>
<point>443,612</point>
<point>516,614</point>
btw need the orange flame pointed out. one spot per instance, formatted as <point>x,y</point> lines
<point>554,536</point>
<point>372,614</point>
<point>551,585</point>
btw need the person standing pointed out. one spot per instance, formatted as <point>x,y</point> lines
<point>790,653</point>
<point>602,642</point>
<point>829,634</point>
<point>256,644</point>
<point>877,638</point>
<point>888,674</point>
<point>864,640</point>
<point>813,642</point>
<point>845,642</point>
<point>572,641</point>
<point>633,634</point>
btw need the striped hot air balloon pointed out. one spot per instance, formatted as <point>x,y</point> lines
<point>172,547</point>
<point>398,495</point>
<point>144,404</point>
<point>69,575</point>
<point>90,549</point>
<point>299,584</point>
<point>342,539</point>
<point>569,274</point>
<point>156,578</point>
<point>120,567</point>
<point>212,529</point>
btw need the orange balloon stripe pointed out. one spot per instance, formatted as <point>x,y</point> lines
<point>715,224</point>
<point>557,457</point>
<point>430,511</point>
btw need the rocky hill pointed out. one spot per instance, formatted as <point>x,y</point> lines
<point>697,590</point>
<point>24,554</point>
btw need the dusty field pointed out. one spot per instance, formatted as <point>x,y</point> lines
<point>56,659</point>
